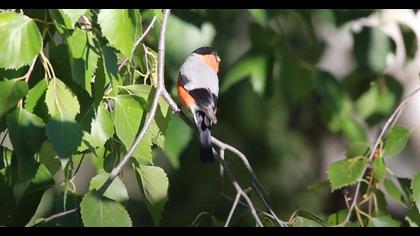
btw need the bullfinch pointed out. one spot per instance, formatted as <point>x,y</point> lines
<point>198,89</point>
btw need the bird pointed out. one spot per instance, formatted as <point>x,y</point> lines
<point>198,91</point>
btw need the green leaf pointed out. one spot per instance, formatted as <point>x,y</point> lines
<point>379,48</point>
<point>383,221</point>
<point>116,191</point>
<point>48,158</point>
<point>83,59</point>
<point>108,72</point>
<point>101,128</point>
<point>146,93</point>
<point>127,117</point>
<point>366,105</point>
<point>20,40</point>
<point>253,66</point>
<point>35,94</point>
<point>346,172</point>
<point>61,102</point>
<point>393,191</point>
<point>177,137</point>
<point>26,132</point>
<point>415,186</point>
<point>98,211</point>
<point>413,217</point>
<point>380,201</point>
<point>74,14</point>
<point>155,187</point>
<point>121,27</point>
<point>357,148</point>
<point>65,136</point>
<point>380,169</point>
<point>339,217</point>
<point>62,21</point>
<point>11,91</point>
<point>396,140</point>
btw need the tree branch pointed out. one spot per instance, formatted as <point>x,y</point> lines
<point>153,108</point>
<point>55,216</point>
<point>388,125</point>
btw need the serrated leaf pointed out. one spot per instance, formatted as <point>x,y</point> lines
<point>61,102</point>
<point>101,128</point>
<point>98,211</point>
<point>413,217</point>
<point>108,73</point>
<point>48,158</point>
<point>155,187</point>
<point>357,148</point>
<point>146,93</point>
<point>74,14</point>
<point>345,172</point>
<point>26,132</point>
<point>121,27</point>
<point>65,136</point>
<point>11,91</point>
<point>396,140</point>
<point>83,59</point>
<point>393,191</point>
<point>415,186</point>
<point>380,169</point>
<point>35,94</point>
<point>383,221</point>
<point>61,21</point>
<point>20,40</point>
<point>177,137</point>
<point>116,191</point>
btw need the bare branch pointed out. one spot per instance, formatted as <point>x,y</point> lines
<point>153,108</point>
<point>239,190</point>
<point>55,216</point>
<point>232,210</point>
<point>388,125</point>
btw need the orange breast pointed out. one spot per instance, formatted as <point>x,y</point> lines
<point>211,61</point>
<point>186,99</point>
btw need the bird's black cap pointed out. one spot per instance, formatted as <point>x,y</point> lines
<point>205,51</point>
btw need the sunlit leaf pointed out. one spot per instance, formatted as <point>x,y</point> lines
<point>345,172</point>
<point>20,40</point>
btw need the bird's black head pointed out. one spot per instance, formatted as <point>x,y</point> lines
<point>207,51</point>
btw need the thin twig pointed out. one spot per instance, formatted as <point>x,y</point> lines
<point>232,210</point>
<point>389,123</point>
<point>246,205</point>
<point>139,41</point>
<point>114,173</point>
<point>55,216</point>
<point>239,190</point>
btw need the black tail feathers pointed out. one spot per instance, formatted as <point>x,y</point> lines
<point>206,151</point>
